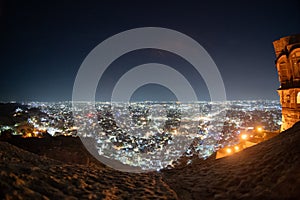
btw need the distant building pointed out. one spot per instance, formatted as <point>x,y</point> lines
<point>287,62</point>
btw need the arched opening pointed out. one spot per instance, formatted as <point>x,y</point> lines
<point>283,71</point>
<point>295,60</point>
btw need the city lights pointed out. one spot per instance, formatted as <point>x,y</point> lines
<point>124,131</point>
<point>259,129</point>
<point>228,150</point>
<point>244,136</point>
<point>236,148</point>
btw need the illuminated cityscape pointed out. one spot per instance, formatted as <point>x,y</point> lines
<point>141,133</point>
<point>150,100</point>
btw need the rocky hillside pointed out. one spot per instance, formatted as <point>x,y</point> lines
<point>61,168</point>
<point>24,175</point>
<point>269,170</point>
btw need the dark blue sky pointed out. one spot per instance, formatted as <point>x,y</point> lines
<point>43,44</point>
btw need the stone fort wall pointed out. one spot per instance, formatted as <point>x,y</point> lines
<point>287,50</point>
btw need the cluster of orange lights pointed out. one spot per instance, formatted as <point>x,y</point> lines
<point>35,133</point>
<point>233,149</point>
<point>243,137</point>
<point>236,148</point>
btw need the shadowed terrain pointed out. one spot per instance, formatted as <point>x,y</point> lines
<point>55,168</point>
<point>269,170</point>
<point>25,175</point>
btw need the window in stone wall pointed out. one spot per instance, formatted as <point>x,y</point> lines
<point>293,97</point>
<point>296,63</point>
<point>298,98</point>
<point>283,71</point>
<point>288,98</point>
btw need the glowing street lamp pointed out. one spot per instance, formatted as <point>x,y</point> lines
<point>236,148</point>
<point>244,136</point>
<point>228,150</point>
<point>259,129</point>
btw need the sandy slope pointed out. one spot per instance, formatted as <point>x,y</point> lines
<point>269,170</point>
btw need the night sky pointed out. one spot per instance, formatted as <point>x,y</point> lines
<point>43,44</point>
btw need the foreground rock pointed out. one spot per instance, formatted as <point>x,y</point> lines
<point>24,175</point>
<point>61,168</point>
<point>269,170</point>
